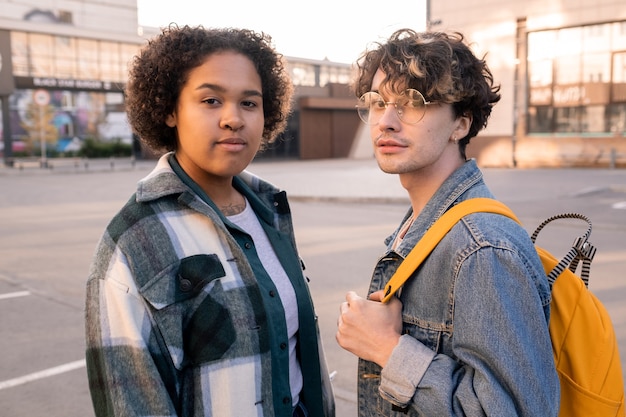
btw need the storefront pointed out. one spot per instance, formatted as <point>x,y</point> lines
<point>577,80</point>
<point>84,79</point>
<point>561,66</point>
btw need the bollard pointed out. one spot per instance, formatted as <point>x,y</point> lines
<point>612,158</point>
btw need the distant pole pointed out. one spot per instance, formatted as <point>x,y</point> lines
<point>429,22</point>
<point>42,98</point>
<point>42,138</point>
<point>8,140</point>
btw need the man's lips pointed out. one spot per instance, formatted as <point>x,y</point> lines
<point>386,142</point>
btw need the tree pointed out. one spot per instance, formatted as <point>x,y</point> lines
<point>37,121</point>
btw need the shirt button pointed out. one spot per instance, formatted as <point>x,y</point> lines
<point>247,245</point>
<point>272,293</point>
<point>185,284</point>
<point>286,400</point>
<point>283,346</point>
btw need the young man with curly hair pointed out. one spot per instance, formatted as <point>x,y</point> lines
<point>467,335</point>
<point>197,304</point>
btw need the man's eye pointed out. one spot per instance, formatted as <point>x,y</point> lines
<point>378,104</point>
<point>210,101</point>
<point>415,104</point>
<point>249,104</point>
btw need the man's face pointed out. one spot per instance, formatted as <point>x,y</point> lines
<point>417,148</point>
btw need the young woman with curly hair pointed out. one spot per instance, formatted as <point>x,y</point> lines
<point>197,304</point>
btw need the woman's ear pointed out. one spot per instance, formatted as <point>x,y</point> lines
<point>170,120</point>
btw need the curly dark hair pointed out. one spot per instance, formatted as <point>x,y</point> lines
<point>159,71</point>
<point>439,65</point>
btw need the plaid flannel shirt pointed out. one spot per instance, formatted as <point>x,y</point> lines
<point>175,320</point>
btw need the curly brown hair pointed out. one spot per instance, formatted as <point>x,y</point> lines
<point>160,70</point>
<point>439,65</point>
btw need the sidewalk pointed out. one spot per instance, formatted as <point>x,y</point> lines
<point>360,180</point>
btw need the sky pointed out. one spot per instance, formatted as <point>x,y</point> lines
<point>337,30</point>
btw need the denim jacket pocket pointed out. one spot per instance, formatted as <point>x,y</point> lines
<point>430,334</point>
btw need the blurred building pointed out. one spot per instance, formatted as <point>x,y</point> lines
<point>74,57</point>
<point>562,68</point>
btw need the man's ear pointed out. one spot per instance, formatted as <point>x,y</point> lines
<point>463,125</point>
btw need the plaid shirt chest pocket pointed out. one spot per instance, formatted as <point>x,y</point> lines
<point>190,311</point>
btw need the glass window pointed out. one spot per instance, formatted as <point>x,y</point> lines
<point>597,68</point>
<point>568,69</point>
<point>330,74</point>
<point>619,67</point>
<point>88,63</point>
<point>597,38</point>
<point>541,49</point>
<point>617,118</point>
<point>19,54</point>
<point>593,119</point>
<point>540,73</point>
<point>563,60</point>
<point>567,119</point>
<point>569,41</point>
<point>127,52</point>
<point>41,49</point>
<point>541,45</point>
<point>65,57</point>
<point>109,61</point>
<point>113,99</point>
<point>619,36</point>
<point>302,74</point>
<point>67,101</point>
<point>540,119</point>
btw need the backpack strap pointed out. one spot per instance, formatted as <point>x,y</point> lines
<point>436,232</point>
<point>582,250</point>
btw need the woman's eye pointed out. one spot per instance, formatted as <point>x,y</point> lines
<point>249,103</point>
<point>211,101</point>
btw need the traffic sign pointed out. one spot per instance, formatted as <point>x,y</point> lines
<point>41,97</point>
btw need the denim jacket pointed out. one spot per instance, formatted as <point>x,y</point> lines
<point>475,336</point>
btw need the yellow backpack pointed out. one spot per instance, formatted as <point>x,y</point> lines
<point>583,339</point>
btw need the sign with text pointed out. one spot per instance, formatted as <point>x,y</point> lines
<point>68,84</point>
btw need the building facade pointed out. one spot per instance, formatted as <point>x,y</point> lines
<point>562,70</point>
<point>69,59</point>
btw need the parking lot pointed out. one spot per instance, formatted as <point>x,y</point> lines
<point>50,221</point>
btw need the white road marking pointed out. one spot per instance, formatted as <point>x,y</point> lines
<point>14,294</point>
<point>42,374</point>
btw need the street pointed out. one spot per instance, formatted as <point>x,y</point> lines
<point>50,223</point>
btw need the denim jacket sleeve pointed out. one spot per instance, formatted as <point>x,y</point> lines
<point>498,359</point>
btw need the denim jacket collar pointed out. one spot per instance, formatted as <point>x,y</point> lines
<point>466,182</point>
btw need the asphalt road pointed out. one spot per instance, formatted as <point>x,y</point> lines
<point>50,221</point>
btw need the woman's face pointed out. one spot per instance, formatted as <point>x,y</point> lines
<point>219,117</point>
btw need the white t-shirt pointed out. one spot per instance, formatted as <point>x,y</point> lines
<point>248,221</point>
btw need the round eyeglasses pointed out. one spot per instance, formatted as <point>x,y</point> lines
<point>410,106</point>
